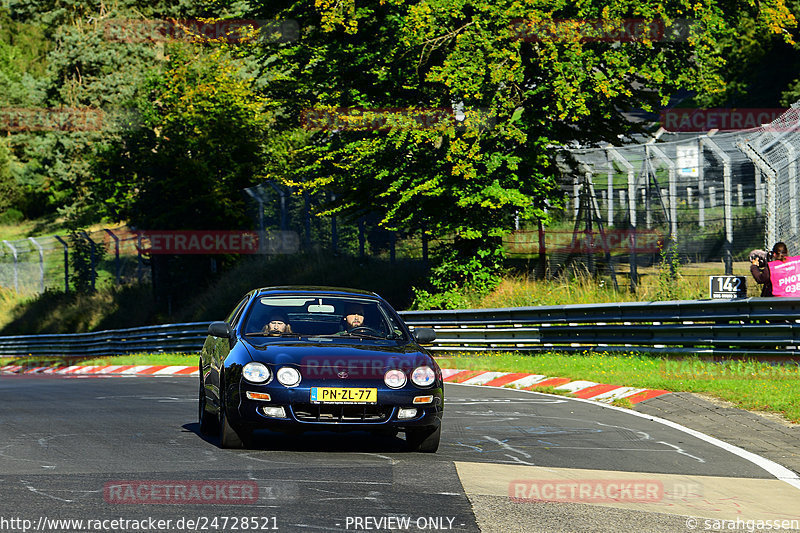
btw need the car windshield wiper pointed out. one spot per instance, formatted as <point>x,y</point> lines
<point>348,334</point>
<point>365,335</point>
<point>263,334</point>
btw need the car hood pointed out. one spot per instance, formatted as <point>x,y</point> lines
<point>366,359</point>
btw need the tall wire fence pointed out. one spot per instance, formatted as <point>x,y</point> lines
<point>35,264</point>
<point>774,149</point>
<point>699,198</point>
<point>712,197</point>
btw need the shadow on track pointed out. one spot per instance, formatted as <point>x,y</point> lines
<point>316,441</point>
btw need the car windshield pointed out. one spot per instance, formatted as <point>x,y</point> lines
<point>321,316</point>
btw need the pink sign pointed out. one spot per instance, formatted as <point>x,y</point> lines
<point>785,276</point>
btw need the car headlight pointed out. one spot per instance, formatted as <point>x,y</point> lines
<point>394,379</point>
<point>423,376</point>
<point>255,372</point>
<point>288,376</point>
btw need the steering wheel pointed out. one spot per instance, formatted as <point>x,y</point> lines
<point>366,330</point>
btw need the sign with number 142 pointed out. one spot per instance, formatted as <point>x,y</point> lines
<point>728,287</point>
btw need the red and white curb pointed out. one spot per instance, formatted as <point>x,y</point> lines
<point>587,390</point>
<point>126,370</point>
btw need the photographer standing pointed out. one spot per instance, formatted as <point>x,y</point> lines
<point>760,265</point>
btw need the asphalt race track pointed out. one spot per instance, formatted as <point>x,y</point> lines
<point>123,453</point>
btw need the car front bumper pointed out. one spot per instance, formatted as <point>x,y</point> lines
<point>303,415</point>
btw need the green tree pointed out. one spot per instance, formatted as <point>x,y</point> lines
<point>81,54</point>
<point>10,191</point>
<point>200,142</point>
<point>521,68</point>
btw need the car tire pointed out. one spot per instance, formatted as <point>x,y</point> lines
<point>208,424</point>
<point>230,437</point>
<point>425,440</point>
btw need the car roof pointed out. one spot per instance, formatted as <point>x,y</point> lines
<point>317,290</point>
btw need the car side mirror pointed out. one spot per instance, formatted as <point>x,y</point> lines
<point>424,335</point>
<point>219,329</point>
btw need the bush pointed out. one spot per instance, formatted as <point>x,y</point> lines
<point>11,216</point>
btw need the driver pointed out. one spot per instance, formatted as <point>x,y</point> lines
<point>277,326</point>
<point>353,316</point>
<point>354,322</point>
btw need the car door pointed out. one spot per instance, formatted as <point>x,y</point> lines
<point>216,349</point>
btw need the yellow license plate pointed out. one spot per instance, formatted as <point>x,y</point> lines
<point>339,395</point>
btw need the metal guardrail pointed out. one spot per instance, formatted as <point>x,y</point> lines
<point>165,338</point>
<point>759,327</point>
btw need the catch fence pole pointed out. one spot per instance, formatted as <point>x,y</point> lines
<point>66,263</point>
<point>41,262</point>
<point>16,274</point>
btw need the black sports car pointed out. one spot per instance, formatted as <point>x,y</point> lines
<point>317,358</point>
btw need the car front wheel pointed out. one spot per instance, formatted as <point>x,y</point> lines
<point>424,440</point>
<point>230,437</point>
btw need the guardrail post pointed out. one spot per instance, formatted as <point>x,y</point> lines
<point>41,262</point>
<point>66,263</point>
<point>16,273</point>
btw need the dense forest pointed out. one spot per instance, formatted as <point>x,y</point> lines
<point>436,116</point>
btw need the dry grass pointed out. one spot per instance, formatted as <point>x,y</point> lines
<point>692,284</point>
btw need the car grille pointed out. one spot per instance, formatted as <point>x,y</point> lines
<point>310,412</point>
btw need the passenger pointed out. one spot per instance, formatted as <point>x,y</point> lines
<point>759,267</point>
<point>277,326</point>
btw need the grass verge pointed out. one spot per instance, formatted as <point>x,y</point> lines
<point>748,384</point>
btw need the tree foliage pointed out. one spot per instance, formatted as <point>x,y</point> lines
<point>198,144</point>
<point>438,115</point>
<point>524,75</point>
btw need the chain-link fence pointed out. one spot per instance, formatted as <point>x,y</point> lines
<point>700,196</point>
<point>276,207</point>
<point>33,265</point>
<point>774,150</point>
